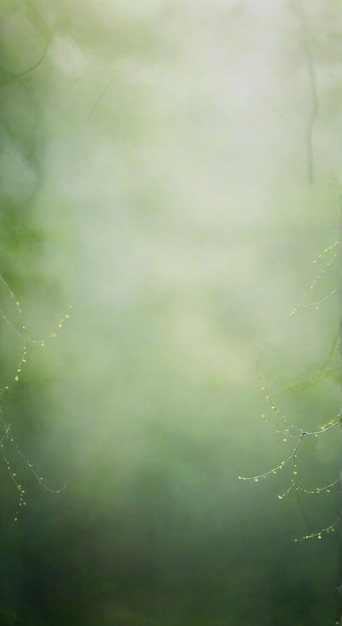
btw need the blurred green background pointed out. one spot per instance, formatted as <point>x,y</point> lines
<point>171,170</point>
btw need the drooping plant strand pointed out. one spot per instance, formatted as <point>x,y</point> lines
<point>6,437</point>
<point>289,431</point>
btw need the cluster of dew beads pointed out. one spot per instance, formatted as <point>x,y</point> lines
<point>319,534</point>
<point>328,256</point>
<point>290,432</point>
<point>21,501</point>
<point>7,437</point>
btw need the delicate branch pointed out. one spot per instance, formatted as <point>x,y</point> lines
<point>299,436</point>
<point>329,255</point>
<point>7,436</point>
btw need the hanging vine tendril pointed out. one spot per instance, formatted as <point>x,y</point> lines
<point>298,435</point>
<point>6,437</point>
<point>324,261</point>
